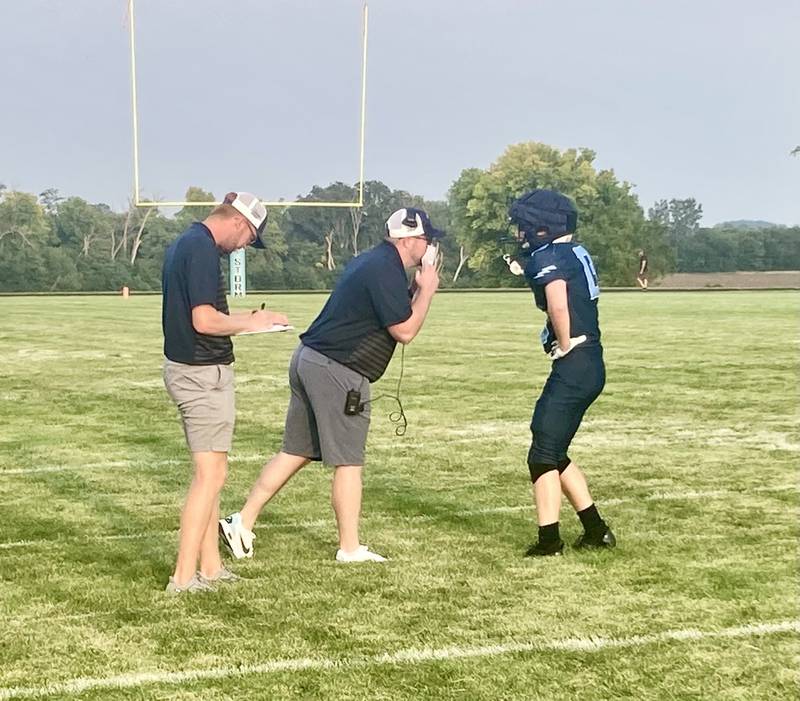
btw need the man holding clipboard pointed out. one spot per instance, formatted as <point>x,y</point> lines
<point>198,372</point>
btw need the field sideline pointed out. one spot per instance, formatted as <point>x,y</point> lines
<point>691,451</point>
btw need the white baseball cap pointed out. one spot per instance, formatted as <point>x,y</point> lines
<point>411,221</point>
<point>250,207</point>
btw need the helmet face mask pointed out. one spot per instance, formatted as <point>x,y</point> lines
<point>537,218</point>
<point>516,249</point>
<point>537,237</point>
<point>514,243</point>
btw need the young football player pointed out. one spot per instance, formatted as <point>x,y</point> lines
<point>564,282</point>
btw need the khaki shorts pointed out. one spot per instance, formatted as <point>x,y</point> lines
<point>204,395</point>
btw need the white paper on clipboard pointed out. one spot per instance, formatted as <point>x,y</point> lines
<point>275,328</point>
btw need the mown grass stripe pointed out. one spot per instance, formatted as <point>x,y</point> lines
<point>487,511</point>
<point>402,657</point>
<point>114,464</point>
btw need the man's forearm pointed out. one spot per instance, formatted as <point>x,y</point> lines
<point>215,323</point>
<point>420,305</point>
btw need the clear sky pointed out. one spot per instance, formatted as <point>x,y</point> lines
<point>681,98</point>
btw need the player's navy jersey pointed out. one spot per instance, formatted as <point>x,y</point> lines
<point>572,263</point>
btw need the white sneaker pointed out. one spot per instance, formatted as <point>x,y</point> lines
<point>361,554</point>
<point>238,539</point>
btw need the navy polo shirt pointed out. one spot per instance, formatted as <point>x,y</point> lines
<point>371,295</point>
<point>191,276</point>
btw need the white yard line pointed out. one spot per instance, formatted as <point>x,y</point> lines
<point>402,657</point>
<point>324,523</point>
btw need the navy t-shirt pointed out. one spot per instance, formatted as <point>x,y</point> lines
<point>192,276</point>
<point>371,294</point>
<point>572,263</point>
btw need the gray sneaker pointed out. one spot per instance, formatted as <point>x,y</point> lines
<point>224,576</point>
<point>196,584</point>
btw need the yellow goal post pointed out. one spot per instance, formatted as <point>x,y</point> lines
<point>139,202</point>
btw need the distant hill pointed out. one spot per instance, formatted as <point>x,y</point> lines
<point>748,224</point>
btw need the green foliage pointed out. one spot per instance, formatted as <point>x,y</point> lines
<point>37,269</point>
<point>266,268</point>
<point>726,247</point>
<point>681,218</point>
<point>611,222</point>
<point>748,224</point>
<point>84,228</point>
<point>22,220</point>
<point>187,215</point>
<point>49,200</point>
<point>726,250</point>
<point>58,243</point>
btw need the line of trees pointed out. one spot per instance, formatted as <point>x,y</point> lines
<point>730,246</point>
<point>54,243</point>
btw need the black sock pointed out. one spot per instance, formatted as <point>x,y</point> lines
<point>591,521</point>
<point>549,533</point>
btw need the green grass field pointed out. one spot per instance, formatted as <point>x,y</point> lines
<point>691,452</point>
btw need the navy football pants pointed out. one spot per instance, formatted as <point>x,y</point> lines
<point>575,381</point>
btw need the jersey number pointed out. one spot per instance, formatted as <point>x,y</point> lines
<point>588,270</point>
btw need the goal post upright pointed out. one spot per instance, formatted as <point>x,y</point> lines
<point>139,202</point>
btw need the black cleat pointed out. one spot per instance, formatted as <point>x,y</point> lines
<point>595,541</point>
<point>540,549</point>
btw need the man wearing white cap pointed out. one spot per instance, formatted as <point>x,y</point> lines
<point>348,346</point>
<point>198,371</point>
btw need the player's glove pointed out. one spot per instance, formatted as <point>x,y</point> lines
<point>513,266</point>
<point>558,352</point>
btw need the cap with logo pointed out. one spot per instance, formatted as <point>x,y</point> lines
<point>250,207</point>
<point>411,221</point>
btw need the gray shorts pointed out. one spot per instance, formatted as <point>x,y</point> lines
<point>316,425</point>
<point>204,395</point>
